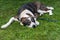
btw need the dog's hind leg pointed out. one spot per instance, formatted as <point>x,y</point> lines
<point>50,12</point>
<point>9,22</point>
<point>51,8</point>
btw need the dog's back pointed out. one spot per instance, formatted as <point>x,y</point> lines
<point>30,6</point>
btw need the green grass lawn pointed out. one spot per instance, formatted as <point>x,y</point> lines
<point>45,31</point>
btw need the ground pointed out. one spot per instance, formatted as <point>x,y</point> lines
<point>47,30</point>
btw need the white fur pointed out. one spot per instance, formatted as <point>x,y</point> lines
<point>21,23</point>
<point>9,22</point>
<point>37,23</point>
<point>51,8</point>
<point>42,12</point>
<point>32,23</point>
<point>23,13</point>
<point>50,12</point>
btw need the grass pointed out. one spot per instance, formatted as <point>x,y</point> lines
<point>45,31</point>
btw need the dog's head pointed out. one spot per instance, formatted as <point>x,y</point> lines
<point>28,21</point>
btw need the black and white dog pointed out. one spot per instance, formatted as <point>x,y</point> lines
<point>28,14</point>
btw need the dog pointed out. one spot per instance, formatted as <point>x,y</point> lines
<point>27,15</point>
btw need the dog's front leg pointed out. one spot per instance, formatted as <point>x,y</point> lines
<point>9,22</point>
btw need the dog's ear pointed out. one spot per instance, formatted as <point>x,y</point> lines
<point>29,14</point>
<point>23,19</point>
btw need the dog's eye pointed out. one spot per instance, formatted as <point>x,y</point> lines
<point>32,19</point>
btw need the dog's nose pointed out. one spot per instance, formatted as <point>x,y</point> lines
<point>33,26</point>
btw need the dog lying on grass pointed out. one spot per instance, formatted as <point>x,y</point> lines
<point>27,15</point>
